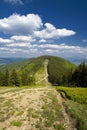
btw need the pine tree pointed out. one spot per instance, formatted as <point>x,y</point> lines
<point>1,79</point>
<point>14,80</point>
<point>6,78</point>
<point>24,78</point>
<point>79,77</point>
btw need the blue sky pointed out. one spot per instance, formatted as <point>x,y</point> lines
<point>30,28</point>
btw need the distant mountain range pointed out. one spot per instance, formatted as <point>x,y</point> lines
<point>10,60</point>
<point>4,61</point>
<point>77,61</point>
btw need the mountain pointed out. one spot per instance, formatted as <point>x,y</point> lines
<point>33,64</point>
<point>78,60</point>
<point>10,60</point>
<point>39,67</point>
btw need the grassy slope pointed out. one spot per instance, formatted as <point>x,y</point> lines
<point>35,66</point>
<point>36,62</point>
<point>76,105</point>
<point>60,64</point>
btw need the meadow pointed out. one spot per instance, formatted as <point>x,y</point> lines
<point>76,104</point>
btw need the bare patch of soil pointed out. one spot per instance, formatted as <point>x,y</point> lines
<point>33,109</point>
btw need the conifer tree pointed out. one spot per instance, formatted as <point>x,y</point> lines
<point>6,78</point>
<point>24,78</point>
<point>1,79</point>
<point>14,80</point>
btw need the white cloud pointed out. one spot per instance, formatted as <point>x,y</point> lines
<point>5,40</point>
<point>49,51</point>
<point>64,32</point>
<point>29,35</point>
<point>14,1</point>
<point>50,32</point>
<point>31,24</point>
<point>17,45</point>
<point>27,45</point>
<point>27,48</point>
<point>23,38</point>
<point>42,41</point>
<point>64,50</point>
<point>17,24</point>
<point>50,46</point>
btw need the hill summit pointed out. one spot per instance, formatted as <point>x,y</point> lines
<point>41,69</point>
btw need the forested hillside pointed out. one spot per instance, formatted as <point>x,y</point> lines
<point>60,72</point>
<point>25,72</point>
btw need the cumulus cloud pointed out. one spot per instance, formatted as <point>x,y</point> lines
<point>32,24</point>
<point>18,39</point>
<point>17,24</point>
<point>17,42</point>
<point>14,1</point>
<point>24,45</point>
<point>22,38</point>
<point>29,35</point>
<point>5,40</point>
<point>64,48</point>
<point>42,41</point>
<point>50,32</point>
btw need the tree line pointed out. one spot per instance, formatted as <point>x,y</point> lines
<point>77,78</point>
<point>15,78</point>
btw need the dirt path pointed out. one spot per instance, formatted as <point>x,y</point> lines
<point>33,109</point>
<point>46,72</point>
<point>68,122</point>
<point>45,78</point>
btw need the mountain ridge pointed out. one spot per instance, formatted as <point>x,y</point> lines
<point>20,62</point>
<point>8,60</point>
<point>35,69</point>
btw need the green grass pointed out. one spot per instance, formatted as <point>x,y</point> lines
<point>20,113</point>
<point>79,113</point>
<point>76,105</point>
<point>51,111</point>
<point>58,127</point>
<point>76,94</point>
<point>30,112</point>
<point>16,123</point>
<point>2,99</point>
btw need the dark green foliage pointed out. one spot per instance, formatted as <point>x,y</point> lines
<point>6,79</point>
<point>31,80</point>
<point>24,78</point>
<point>1,78</point>
<point>59,70</point>
<point>79,77</point>
<point>14,79</point>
